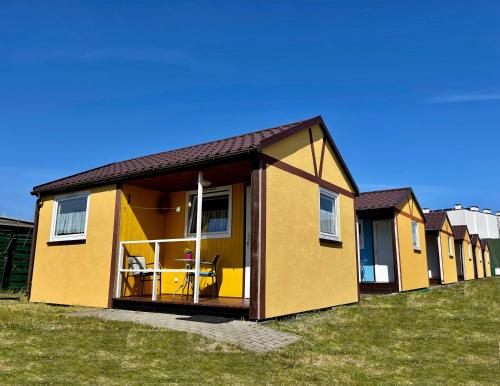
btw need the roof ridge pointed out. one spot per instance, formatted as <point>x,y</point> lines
<point>386,190</point>
<point>216,140</point>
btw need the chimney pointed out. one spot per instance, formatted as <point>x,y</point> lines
<point>425,210</point>
<point>474,208</point>
<point>487,211</point>
<point>458,206</point>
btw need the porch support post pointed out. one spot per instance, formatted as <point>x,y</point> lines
<point>119,267</point>
<point>155,271</point>
<point>196,294</point>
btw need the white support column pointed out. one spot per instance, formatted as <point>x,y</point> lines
<point>440,255</point>
<point>155,271</point>
<point>119,267</point>
<point>196,290</point>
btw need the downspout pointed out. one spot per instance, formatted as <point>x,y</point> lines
<point>33,247</point>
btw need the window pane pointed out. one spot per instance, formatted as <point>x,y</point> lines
<point>327,214</point>
<point>71,216</point>
<point>215,213</point>
<point>414,229</point>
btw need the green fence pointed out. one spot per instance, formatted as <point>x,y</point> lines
<point>15,247</point>
<point>494,246</point>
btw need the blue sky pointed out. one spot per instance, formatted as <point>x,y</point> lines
<point>409,89</point>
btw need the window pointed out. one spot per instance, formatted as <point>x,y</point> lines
<point>414,233</point>
<point>69,217</point>
<point>450,246</point>
<point>215,216</point>
<point>361,232</point>
<point>328,215</point>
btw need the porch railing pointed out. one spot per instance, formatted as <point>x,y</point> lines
<point>156,265</point>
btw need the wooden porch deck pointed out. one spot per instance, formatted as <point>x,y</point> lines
<point>218,306</point>
<point>378,288</point>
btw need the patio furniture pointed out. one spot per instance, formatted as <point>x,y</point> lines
<point>138,263</point>
<point>212,273</point>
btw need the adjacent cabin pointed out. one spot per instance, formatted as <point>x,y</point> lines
<point>15,249</point>
<point>464,254</point>
<point>257,225</point>
<point>494,255</point>
<point>392,245</point>
<point>478,256</point>
<point>441,254</point>
<point>486,258</point>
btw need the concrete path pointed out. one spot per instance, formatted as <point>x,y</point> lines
<point>249,335</point>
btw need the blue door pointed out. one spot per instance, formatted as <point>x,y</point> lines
<point>366,250</point>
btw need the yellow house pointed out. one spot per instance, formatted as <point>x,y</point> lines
<point>464,254</point>
<point>441,254</point>
<point>258,225</point>
<point>478,256</point>
<point>486,258</point>
<point>392,245</point>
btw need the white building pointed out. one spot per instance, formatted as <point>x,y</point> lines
<point>484,223</point>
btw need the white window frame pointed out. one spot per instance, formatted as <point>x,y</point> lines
<point>76,236</point>
<point>211,192</point>
<point>361,232</point>
<point>450,246</point>
<point>335,196</point>
<point>416,243</point>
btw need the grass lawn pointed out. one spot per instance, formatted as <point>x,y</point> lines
<point>449,335</point>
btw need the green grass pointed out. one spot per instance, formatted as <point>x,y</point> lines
<point>449,335</point>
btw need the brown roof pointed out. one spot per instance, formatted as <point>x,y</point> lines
<point>474,238</point>
<point>483,244</point>
<point>382,199</point>
<point>459,231</point>
<point>434,221</point>
<point>188,156</point>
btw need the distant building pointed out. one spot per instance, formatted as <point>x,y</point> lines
<point>484,223</point>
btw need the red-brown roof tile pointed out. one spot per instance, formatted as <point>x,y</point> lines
<point>382,199</point>
<point>474,238</point>
<point>459,231</point>
<point>193,155</point>
<point>434,221</point>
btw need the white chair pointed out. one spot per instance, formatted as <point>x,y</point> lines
<point>137,263</point>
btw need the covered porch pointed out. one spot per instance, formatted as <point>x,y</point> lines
<point>184,241</point>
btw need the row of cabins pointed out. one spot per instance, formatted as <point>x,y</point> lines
<point>274,220</point>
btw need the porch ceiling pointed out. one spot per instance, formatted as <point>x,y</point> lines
<point>218,175</point>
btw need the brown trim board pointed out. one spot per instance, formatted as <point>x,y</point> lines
<point>33,247</point>
<point>114,246</point>
<point>323,146</point>
<point>262,292</point>
<point>410,216</point>
<point>268,160</point>
<point>254,254</point>
<point>313,152</point>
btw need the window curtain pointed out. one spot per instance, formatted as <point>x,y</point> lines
<point>214,216</point>
<point>327,214</point>
<point>71,216</point>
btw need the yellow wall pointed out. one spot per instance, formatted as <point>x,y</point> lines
<point>468,258</point>
<point>137,224</point>
<point>303,273</point>
<point>486,257</point>
<point>479,261</point>
<point>413,263</point>
<point>449,263</point>
<point>76,274</point>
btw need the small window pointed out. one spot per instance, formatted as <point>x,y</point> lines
<point>69,217</point>
<point>215,216</point>
<point>415,236</point>
<point>329,215</point>
<point>361,232</point>
<point>450,246</point>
